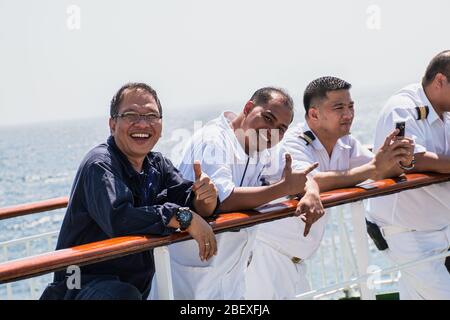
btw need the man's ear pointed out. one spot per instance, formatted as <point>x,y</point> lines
<point>112,125</point>
<point>248,107</point>
<point>313,113</point>
<point>440,80</point>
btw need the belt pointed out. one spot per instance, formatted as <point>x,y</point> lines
<point>294,259</point>
<point>391,230</point>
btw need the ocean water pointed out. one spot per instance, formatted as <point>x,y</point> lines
<point>39,161</point>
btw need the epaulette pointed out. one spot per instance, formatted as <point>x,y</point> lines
<point>422,112</point>
<point>308,136</point>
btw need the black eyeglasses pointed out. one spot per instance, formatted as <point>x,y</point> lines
<point>134,117</point>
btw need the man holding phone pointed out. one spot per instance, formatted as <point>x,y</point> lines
<point>277,269</point>
<point>415,223</point>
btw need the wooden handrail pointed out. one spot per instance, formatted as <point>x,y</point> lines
<point>117,247</point>
<point>34,207</point>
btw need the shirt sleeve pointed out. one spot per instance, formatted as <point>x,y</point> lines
<point>110,204</point>
<point>301,154</point>
<point>360,155</point>
<point>177,188</point>
<point>215,161</point>
<point>401,109</point>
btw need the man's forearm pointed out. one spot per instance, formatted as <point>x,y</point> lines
<point>245,198</point>
<point>429,161</point>
<point>330,180</point>
<point>204,209</point>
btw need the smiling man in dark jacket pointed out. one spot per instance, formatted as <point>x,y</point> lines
<point>122,188</point>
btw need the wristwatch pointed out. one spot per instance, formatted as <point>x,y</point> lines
<point>184,217</point>
<point>410,167</point>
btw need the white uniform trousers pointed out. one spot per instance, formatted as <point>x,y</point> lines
<point>220,278</point>
<point>273,275</point>
<point>426,281</point>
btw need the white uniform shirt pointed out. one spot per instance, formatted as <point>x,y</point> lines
<point>288,233</point>
<point>423,209</point>
<point>224,160</point>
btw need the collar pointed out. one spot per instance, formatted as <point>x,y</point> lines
<point>317,144</point>
<point>226,118</point>
<point>225,121</point>
<point>343,142</point>
<point>130,171</point>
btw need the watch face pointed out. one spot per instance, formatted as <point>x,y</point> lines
<point>184,216</point>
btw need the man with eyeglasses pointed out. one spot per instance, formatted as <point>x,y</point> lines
<point>122,188</point>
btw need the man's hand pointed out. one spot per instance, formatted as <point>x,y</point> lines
<point>202,232</point>
<point>310,209</point>
<point>392,152</point>
<point>408,159</point>
<point>294,180</point>
<point>205,191</point>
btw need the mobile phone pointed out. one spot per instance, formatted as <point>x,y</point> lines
<point>400,126</point>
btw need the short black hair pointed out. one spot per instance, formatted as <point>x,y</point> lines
<point>439,64</point>
<point>264,95</point>
<point>317,90</point>
<point>118,97</point>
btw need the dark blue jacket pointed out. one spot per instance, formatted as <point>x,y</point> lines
<point>110,199</point>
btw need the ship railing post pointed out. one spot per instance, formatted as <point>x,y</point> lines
<point>163,273</point>
<point>9,292</point>
<point>31,281</point>
<point>334,247</point>
<point>361,246</point>
<point>344,243</point>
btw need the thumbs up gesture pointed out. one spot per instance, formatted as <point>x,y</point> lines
<point>205,191</point>
<point>294,180</point>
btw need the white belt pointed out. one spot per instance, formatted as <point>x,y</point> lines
<point>391,230</point>
<point>294,259</point>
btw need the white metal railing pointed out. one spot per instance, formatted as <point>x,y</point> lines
<point>350,249</point>
<point>335,259</point>
<point>26,248</point>
<point>351,255</point>
<point>48,235</point>
<point>335,263</point>
<point>340,267</point>
<point>365,277</point>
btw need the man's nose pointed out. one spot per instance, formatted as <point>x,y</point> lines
<point>348,114</point>
<point>142,123</point>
